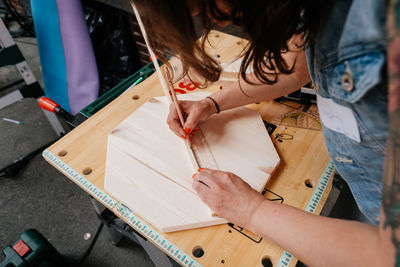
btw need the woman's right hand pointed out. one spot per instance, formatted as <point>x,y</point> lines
<point>193,111</point>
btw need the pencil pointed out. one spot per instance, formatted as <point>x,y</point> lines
<point>175,100</point>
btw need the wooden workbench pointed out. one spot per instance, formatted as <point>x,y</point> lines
<point>304,161</point>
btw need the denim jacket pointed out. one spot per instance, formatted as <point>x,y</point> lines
<point>347,63</point>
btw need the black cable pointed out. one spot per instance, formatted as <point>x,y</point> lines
<point>12,169</point>
<point>24,42</point>
<point>25,22</point>
<point>89,249</point>
<point>281,99</point>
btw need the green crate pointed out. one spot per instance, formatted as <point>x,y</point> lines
<point>116,91</point>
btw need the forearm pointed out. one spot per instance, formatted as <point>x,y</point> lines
<point>233,96</point>
<point>317,240</point>
<point>242,93</point>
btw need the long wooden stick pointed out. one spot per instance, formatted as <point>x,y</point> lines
<point>152,55</point>
<point>174,98</point>
<point>188,144</point>
<point>165,88</point>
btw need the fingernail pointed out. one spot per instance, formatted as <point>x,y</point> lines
<point>190,138</point>
<point>187,130</point>
<point>199,170</point>
<point>195,130</point>
<point>184,137</point>
<point>193,176</point>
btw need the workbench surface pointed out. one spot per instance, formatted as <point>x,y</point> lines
<point>304,160</point>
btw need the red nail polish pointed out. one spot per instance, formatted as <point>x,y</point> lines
<point>187,130</point>
<point>195,130</point>
<point>193,176</point>
<point>199,170</point>
<point>190,138</point>
<point>184,137</point>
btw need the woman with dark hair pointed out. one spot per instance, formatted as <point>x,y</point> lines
<point>338,44</point>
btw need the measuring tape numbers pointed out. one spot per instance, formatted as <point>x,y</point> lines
<point>286,257</point>
<point>139,225</point>
<point>148,232</point>
<point>100,195</point>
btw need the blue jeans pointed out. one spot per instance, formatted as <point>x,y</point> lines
<point>360,164</point>
<point>351,40</point>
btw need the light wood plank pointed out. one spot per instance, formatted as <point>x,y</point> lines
<point>143,147</point>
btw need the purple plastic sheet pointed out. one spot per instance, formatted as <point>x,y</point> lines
<point>81,68</point>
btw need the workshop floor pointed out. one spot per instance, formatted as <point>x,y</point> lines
<point>42,198</point>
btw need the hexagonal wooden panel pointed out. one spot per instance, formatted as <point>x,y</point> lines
<point>148,168</point>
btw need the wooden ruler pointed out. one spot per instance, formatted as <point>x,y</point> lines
<point>202,152</point>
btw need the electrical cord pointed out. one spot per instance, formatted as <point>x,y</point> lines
<point>24,21</point>
<point>25,42</point>
<point>281,100</point>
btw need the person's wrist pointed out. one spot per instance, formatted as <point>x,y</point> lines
<point>212,108</point>
<point>254,209</point>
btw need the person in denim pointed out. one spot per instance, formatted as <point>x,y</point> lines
<point>346,62</point>
<point>357,54</point>
<point>342,48</point>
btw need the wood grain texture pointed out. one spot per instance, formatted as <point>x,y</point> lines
<point>144,158</point>
<point>303,157</point>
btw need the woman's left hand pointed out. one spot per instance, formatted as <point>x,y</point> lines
<point>227,195</point>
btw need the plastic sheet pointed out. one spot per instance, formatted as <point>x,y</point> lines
<point>114,44</point>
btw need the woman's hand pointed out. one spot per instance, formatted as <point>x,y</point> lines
<point>194,112</point>
<point>227,195</point>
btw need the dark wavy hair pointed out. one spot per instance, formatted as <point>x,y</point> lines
<point>267,24</point>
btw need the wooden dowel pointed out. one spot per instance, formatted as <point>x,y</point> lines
<point>152,55</point>
<point>174,98</point>
<point>188,144</point>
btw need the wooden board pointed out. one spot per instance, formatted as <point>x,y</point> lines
<point>302,152</point>
<point>144,158</point>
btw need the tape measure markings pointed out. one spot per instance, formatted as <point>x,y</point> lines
<point>286,257</point>
<point>78,178</point>
<point>108,201</point>
<point>150,233</point>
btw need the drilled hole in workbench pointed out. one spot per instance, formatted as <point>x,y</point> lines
<point>309,183</point>
<point>217,35</point>
<point>87,171</point>
<point>62,153</point>
<point>266,262</point>
<point>135,97</point>
<point>197,252</point>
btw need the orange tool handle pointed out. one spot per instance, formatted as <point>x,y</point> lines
<point>48,104</point>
